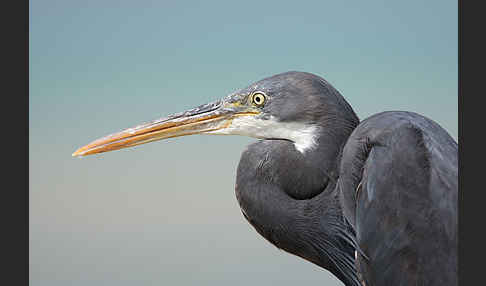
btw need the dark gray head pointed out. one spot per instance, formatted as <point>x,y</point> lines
<point>297,97</point>
<point>296,106</point>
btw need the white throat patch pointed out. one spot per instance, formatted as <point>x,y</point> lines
<point>304,136</point>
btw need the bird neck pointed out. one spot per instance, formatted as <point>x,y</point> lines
<point>292,201</point>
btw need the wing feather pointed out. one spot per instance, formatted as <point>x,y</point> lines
<point>405,209</point>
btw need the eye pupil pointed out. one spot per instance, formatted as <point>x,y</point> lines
<point>258,98</point>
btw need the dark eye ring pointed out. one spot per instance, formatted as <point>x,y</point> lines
<point>258,98</point>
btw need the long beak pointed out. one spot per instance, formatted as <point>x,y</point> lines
<point>202,119</point>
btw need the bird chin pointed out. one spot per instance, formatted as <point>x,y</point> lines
<point>303,136</point>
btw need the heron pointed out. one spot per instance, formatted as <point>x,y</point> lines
<point>374,202</point>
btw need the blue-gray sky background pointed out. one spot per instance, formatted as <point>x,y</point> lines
<point>165,213</point>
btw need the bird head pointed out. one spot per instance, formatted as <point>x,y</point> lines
<point>293,106</point>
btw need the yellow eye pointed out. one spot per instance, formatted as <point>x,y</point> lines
<point>258,98</point>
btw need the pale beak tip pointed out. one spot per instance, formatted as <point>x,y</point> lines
<point>78,153</point>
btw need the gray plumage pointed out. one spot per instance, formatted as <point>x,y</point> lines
<point>405,210</point>
<point>402,220</point>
